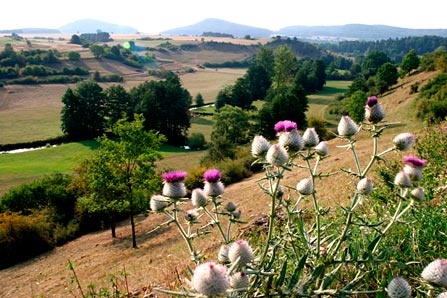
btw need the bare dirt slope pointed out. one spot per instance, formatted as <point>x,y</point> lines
<point>163,255</point>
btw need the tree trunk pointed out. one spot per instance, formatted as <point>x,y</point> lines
<point>113,229</point>
<point>134,239</point>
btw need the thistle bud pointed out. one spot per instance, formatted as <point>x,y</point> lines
<point>277,155</point>
<point>365,186</point>
<point>402,179</point>
<point>347,127</point>
<point>291,140</point>
<point>259,146</point>
<point>399,288</point>
<point>310,138</point>
<point>158,202</point>
<point>305,187</point>
<point>239,280</point>
<point>222,255</point>
<point>322,149</point>
<point>236,214</point>
<point>210,279</point>
<point>198,198</point>
<point>373,110</point>
<point>191,215</point>
<point>418,194</point>
<point>230,207</point>
<point>436,272</point>
<point>241,252</point>
<point>403,141</point>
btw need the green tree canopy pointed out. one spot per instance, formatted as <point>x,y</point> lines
<point>410,62</point>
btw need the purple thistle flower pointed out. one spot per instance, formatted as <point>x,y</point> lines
<point>414,161</point>
<point>371,101</point>
<point>174,176</point>
<point>212,175</point>
<point>285,125</point>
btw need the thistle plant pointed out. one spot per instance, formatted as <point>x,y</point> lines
<point>309,249</point>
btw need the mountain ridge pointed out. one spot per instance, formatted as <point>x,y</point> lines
<point>214,25</point>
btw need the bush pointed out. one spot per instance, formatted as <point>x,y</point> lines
<point>196,141</point>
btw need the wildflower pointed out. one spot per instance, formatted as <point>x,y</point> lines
<point>210,279</point>
<point>418,193</point>
<point>402,179</point>
<point>373,110</point>
<point>198,198</point>
<point>174,184</point>
<point>277,155</point>
<point>241,252</point>
<point>310,138</point>
<point>239,280</point>
<point>365,186</point>
<point>413,167</point>
<point>285,126</point>
<point>403,141</point>
<point>158,202</point>
<point>291,140</point>
<point>399,288</point>
<point>305,187</point>
<point>230,206</point>
<point>322,149</point>
<point>191,215</point>
<point>436,272</point>
<point>213,186</point>
<point>236,214</point>
<point>347,127</point>
<point>259,146</point>
<point>222,255</point>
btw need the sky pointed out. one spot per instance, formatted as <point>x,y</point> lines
<point>148,16</point>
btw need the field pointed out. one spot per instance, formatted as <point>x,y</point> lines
<point>162,257</point>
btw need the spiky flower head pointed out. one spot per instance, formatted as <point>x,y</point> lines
<point>291,140</point>
<point>236,214</point>
<point>222,255</point>
<point>310,138</point>
<point>436,272</point>
<point>402,179</point>
<point>322,149</point>
<point>191,215</point>
<point>241,252</point>
<point>403,141</point>
<point>413,167</point>
<point>259,146</point>
<point>212,175</point>
<point>213,186</point>
<point>239,280</point>
<point>365,186</point>
<point>174,184</point>
<point>373,110</point>
<point>399,288</point>
<point>347,127</point>
<point>285,126</point>
<point>418,194</point>
<point>198,198</point>
<point>305,187</point>
<point>277,155</point>
<point>230,207</point>
<point>158,202</point>
<point>210,279</point>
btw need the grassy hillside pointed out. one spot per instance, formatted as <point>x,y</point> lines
<point>162,256</point>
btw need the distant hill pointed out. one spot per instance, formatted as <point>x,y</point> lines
<point>356,32</point>
<point>30,31</point>
<point>92,26</point>
<point>220,26</point>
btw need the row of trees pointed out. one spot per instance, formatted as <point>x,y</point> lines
<point>89,110</point>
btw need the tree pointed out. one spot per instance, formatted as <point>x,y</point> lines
<point>96,50</point>
<point>370,65</point>
<point>73,56</point>
<point>83,111</point>
<point>410,62</point>
<point>386,76</point>
<point>165,106</point>
<point>285,67</point>
<point>199,99</point>
<point>121,174</point>
<point>231,128</point>
<point>75,39</point>
<point>258,81</point>
<point>355,105</point>
<point>117,104</point>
